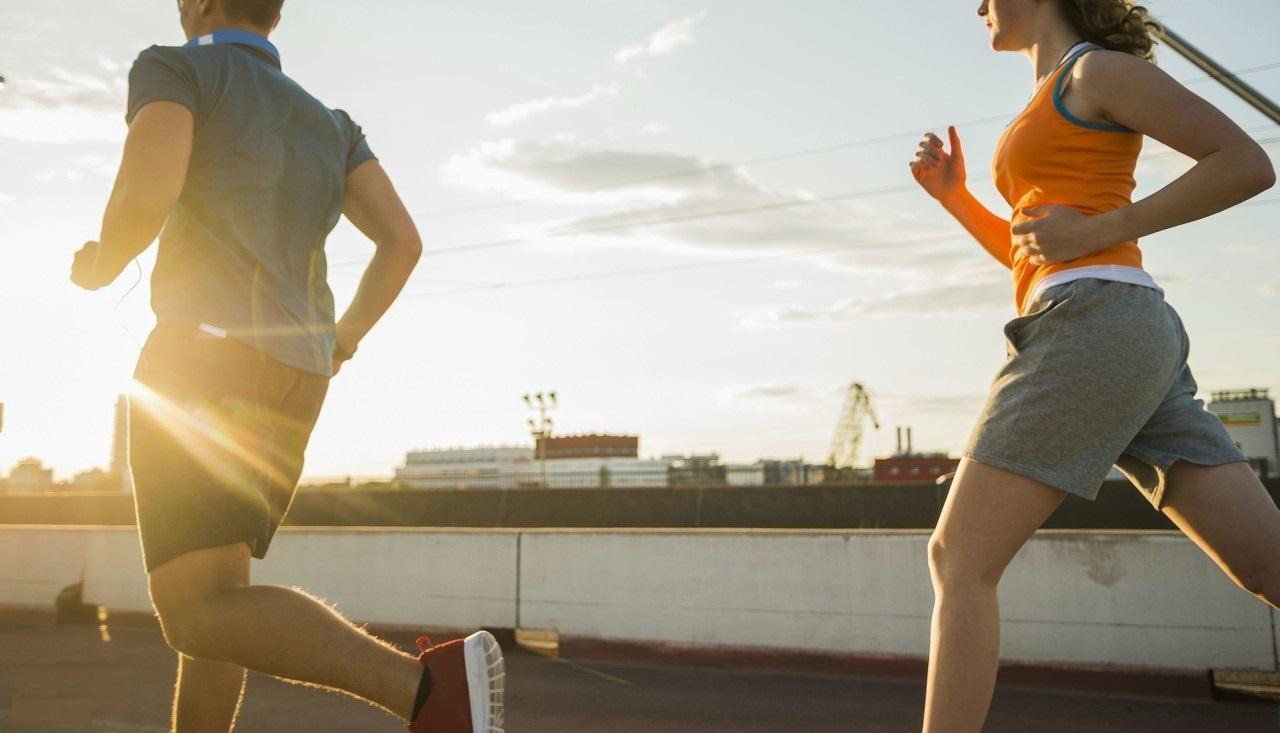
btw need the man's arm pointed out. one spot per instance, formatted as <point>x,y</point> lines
<point>152,173</point>
<point>376,209</point>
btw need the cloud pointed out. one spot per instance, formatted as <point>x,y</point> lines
<point>662,41</point>
<point>782,397</point>
<point>911,405</point>
<point>957,298</point>
<point>901,406</point>
<point>771,391</point>
<point>1243,248</point>
<point>786,285</point>
<point>68,89</point>
<point>655,196</point>
<point>65,106</point>
<point>524,110</point>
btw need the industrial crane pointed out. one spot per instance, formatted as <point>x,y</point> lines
<point>848,437</point>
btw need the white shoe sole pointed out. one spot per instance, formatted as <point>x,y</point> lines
<point>486,677</point>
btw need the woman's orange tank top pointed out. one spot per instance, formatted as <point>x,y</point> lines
<point>1048,156</point>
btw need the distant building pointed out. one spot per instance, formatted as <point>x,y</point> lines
<point>771,472</point>
<point>572,461</point>
<point>787,472</point>
<point>95,479</point>
<point>588,446</point>
<point>1250,418</point>
<point>740,474</point>
<point>584,461</point>
<point>913,468</point>
<point>119,470</point>
<point>487,467</point>
<point>30,475</point>
<point>697,470</point>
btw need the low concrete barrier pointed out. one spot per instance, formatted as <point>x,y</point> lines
<point>1148,600</point>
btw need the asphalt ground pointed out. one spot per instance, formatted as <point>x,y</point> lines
<point>68,678</point>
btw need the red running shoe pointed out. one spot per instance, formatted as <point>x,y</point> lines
<point>467,677</point>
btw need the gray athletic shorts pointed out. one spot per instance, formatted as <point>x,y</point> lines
<point>1097,375</point>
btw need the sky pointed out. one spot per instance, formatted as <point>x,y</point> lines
<point>771,138</point>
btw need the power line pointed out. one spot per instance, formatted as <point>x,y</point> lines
<point>637,272</point>
<point>718,213</point>
<point>1259,202</point>
<point>1241,72</point>
<point>697,170</point>
<point>563,279</point>
<point>820,150</point>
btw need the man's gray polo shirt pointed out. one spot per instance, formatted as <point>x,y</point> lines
<point>243,248</point>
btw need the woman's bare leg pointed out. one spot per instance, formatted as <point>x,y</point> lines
<point>1228,513</point>
<point>989,515</point>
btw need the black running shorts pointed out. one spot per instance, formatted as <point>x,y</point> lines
<point>217,433</point>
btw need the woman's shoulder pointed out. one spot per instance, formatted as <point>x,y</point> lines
<point>1103,64</point>
<point>1101,75</point>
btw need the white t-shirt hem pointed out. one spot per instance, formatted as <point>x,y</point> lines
<point>1115,273</point>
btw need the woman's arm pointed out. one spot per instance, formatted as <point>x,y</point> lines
<point>991,231</point>
<point>942,175</point>
<point>1230,166</point>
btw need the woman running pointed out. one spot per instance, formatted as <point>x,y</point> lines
<point>1097,371</point>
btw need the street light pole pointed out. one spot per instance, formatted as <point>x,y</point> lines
<point>1251,96</point>
<point>541,428</point>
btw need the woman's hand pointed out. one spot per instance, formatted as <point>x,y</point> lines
<point>939,173</point>
<point>1055,233</point>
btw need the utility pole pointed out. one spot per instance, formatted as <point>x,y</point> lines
<point>1251,96</point>
<point>541,428</point>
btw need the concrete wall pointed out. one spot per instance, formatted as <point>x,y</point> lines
<point>1132,599</point>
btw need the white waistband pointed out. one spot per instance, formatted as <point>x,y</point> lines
<point>1115,273</point>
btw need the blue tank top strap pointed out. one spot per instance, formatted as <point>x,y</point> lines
<point>1077,51</point>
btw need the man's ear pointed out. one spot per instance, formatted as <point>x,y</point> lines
<point>204,7</point>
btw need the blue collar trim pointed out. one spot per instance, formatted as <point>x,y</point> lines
<point>244,38</point>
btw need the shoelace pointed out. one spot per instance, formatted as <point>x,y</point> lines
<point>424,643</point>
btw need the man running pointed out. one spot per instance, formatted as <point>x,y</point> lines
<point>247,174</point>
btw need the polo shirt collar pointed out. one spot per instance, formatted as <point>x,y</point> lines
<point>240,37</point>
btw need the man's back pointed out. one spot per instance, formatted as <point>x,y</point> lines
<point>243,249</point>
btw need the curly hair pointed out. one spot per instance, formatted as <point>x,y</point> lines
<point>1115,24</point>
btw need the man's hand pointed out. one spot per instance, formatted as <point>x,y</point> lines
<point>90,271</point>
<point>1056,233</point>
<point>341,352</point>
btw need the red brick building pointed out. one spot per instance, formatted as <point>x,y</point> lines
<point>913,469</point>
<point>589,446</point>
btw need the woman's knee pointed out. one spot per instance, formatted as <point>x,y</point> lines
<point>953,566</point>
<point>1262,579</point>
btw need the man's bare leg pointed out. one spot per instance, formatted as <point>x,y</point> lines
<point>207,613</point>
<point>207,695</point>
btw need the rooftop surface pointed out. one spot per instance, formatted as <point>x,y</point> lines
<point>69,673</point>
